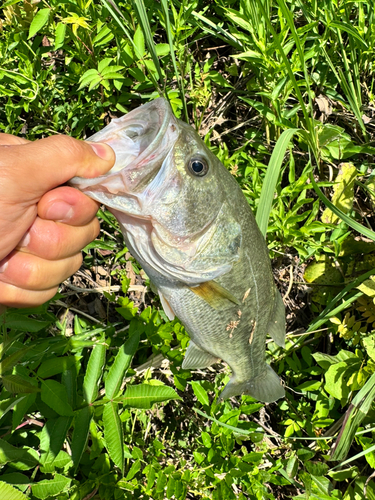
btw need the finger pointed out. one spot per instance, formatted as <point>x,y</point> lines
<point>66,204</point>
<point>30,272</point>
<point>50,163</point>
<point>12,296</point>
<point>11,140</point>
<point>51,240</point>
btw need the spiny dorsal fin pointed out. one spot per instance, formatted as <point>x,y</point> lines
<point>214,294</point>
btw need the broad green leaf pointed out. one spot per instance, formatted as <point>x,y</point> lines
<point>200,393</point>
<point>111,69</point>
<point>22,322</point>
<point>50,487</point>
<point>113,76</point>
<point>59,35</point>
<point>113,434</point>
<point>23,404</point>
<point>17,384</point>
<point>95,82</point>
<point>55,365</point>
<point>16,479</point>
<point>7,492</point>
<point>81,431</point>
<point>343,193</point>
<point>270,179</point>
<point>144,395</point>
<point>59,462</point>
<point>349,29</point>
<point>104,36</point>
<point>8,404</point>
<point>69,380</point>
<point>218,78</point>
<point>136,467</point>
<point>162,49</point>
<point>139,43</point>
<point>120,366</point>
<point>93,373</point>
<point>9,2</point>
<point>8,363</point>
<point>55,396</point>
<point>369,345</point>
<point>38,22</point>
<point>336,384</point>
<point>90,76</point>
<point>53,436</point>
<point>368,287</point>
<point>26,457</point>
<point>104,63</point>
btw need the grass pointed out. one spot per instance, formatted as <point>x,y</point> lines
<point>283,93</point>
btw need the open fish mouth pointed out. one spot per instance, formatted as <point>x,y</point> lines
<point>141,141</point>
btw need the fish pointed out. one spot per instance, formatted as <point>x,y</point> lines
<point>186,221</point>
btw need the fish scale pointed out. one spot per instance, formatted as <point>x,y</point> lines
<point>187,222</point>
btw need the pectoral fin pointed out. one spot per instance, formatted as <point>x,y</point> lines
<point>166,306</point>
<point>214,294</point>
<point>276,326</point>
<point>196,357</point>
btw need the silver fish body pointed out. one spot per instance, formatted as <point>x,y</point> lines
<point>187,222</point>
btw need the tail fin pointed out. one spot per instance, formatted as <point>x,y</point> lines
<point>266,387</point>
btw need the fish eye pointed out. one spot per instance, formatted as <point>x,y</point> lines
<point>198,166</point>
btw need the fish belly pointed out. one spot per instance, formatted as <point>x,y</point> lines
<point>236,334</point>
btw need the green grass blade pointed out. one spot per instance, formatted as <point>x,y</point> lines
<point>348,220</point>
<point>115,13</point>
<point>296,38</point>
<point>146,28</point>
<point>270,179</point>
<point>354,416</point>
<point>180,78</point>
<point>308,121</point>
<point>218,29</point>
<point>354,458</point>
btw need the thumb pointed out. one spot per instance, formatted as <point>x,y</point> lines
<point>39,166</point>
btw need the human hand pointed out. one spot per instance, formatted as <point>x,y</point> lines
<point>43,225</point>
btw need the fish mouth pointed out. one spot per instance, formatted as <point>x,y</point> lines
<point>141,141</point>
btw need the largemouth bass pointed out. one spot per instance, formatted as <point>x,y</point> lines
<point>187,222</point>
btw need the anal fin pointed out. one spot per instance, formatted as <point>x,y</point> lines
<point>196,357</point>
<point>276,326</point>
<point>214,294</point>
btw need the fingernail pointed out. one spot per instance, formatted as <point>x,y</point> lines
<point>4,264</point>
<point>102,150</point>
<point>25,240</point>
<point>59,211</point>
